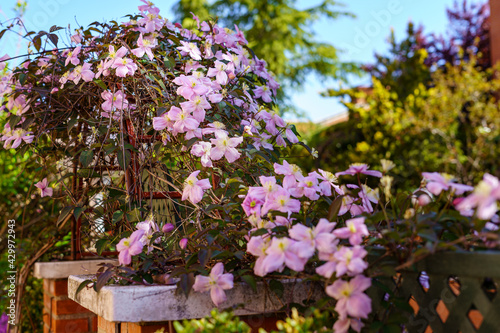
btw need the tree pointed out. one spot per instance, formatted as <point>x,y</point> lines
<point>279,33</point>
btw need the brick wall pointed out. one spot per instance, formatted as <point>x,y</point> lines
<point>62,315</point>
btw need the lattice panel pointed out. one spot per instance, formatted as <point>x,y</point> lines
<point>444,302</point>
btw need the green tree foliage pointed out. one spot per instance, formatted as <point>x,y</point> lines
<point>279,32</point>
<point>449,126</point>
<point>403,69</point>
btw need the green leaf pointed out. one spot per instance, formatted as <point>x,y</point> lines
<point>64,214</point>
<point>101,84</point>
<point>117,216</point>
<point>124,160</point>
<point>334,209</point>
<point>82,285</point>
<point>103,278</point>
<point>78,211</point>
<point>277,287</point>
<point>100,245</point>
<point>186,283</point>
<point>86,157</point>
<point>54,39</point>
<point>250,280</point>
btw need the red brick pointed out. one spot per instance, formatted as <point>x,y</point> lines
<point>93,324</point>
<point>106,326</point>
<point>67,306</point>
<point>77,325</point>
<point>59,287</point>
<point>46,319</point>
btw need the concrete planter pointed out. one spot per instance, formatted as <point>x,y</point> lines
<point>163,304</point>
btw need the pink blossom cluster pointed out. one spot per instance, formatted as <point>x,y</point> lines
<point>339,249</point>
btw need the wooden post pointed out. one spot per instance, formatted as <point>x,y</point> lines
<point>495,31</point>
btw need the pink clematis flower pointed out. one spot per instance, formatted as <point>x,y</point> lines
<point>350,260</point>
<point>129,247</point>
<point>114,101</point>
<point>280,200</point>
<point>197,106</point>
<point>484,197</point>
<point>14,138</point>
<point>216,283</point>
<point>263,92</point>
<point>327,269</point>
<point>292,173</point>
<point>225,146</point>
<point>45,190</point>
<point>124,67</point>
<point>149,227</point>
<point>191,49</point>
<point>194,188</point>
<point>359,168</point>
<point>183,120</point>
<point>252,205</point>
<point>219,72</point>
<point>72,56</point>
<point>203,149</point>
<point>113,55</point>
<point>258,246</point>
<point>351,301</point>
<point>308,240</point>
<point>355,229</point>
<point>438,182</point>
<point>144,46</point>
<point>329,181</point>
<point>183,243</point>
<point>342,325</point>
<point>190,87</point>
<point>281,252</point>
<point>82,72</point>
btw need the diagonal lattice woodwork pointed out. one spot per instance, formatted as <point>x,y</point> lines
<point>459,293</point>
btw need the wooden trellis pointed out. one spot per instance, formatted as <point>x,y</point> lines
<point>448,292</point>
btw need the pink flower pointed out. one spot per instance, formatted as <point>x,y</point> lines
<point>437,182</point>
<point>114,101</point>
<point>307,187</point>
<point>197,106</point>
<point>82,72</point>
<point>191,49</point>
<point>351,301</point>
<point>124,67</point>
<point>225,146</point>
<point>13,139</point>
<point>327,269</point>
<point>203,149</point>
<point>263,92</point>
<point>45,190</point>
<point>350,260</point>
<point>484,197</point>
<point>342,325</point>
<point>144,46</point>
<point>129,247</point>
<point>328,182</point>
<point>183,120</point>
<point>168,227</point>
<point>216,282</point>
<point>281,252</point>
<point>355,229</point>
<point>251,205</point>
<point>359,168</point>
<point>194,188</point>
<point>308,240</point>
<point>190,87</point>
<point>149,227</point>
<point>258,246</point>
<point>292,173</point>
<point>183,243</point>
<point>72,56</point>
<point>219,72</point>
<point>280,200</point>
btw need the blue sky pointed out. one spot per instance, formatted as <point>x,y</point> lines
<point>359,37</point>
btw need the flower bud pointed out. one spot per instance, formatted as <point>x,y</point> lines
<point>169,227</point>
<point>410,212</point>
<point>424,200</point>
<point>183,243</point>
